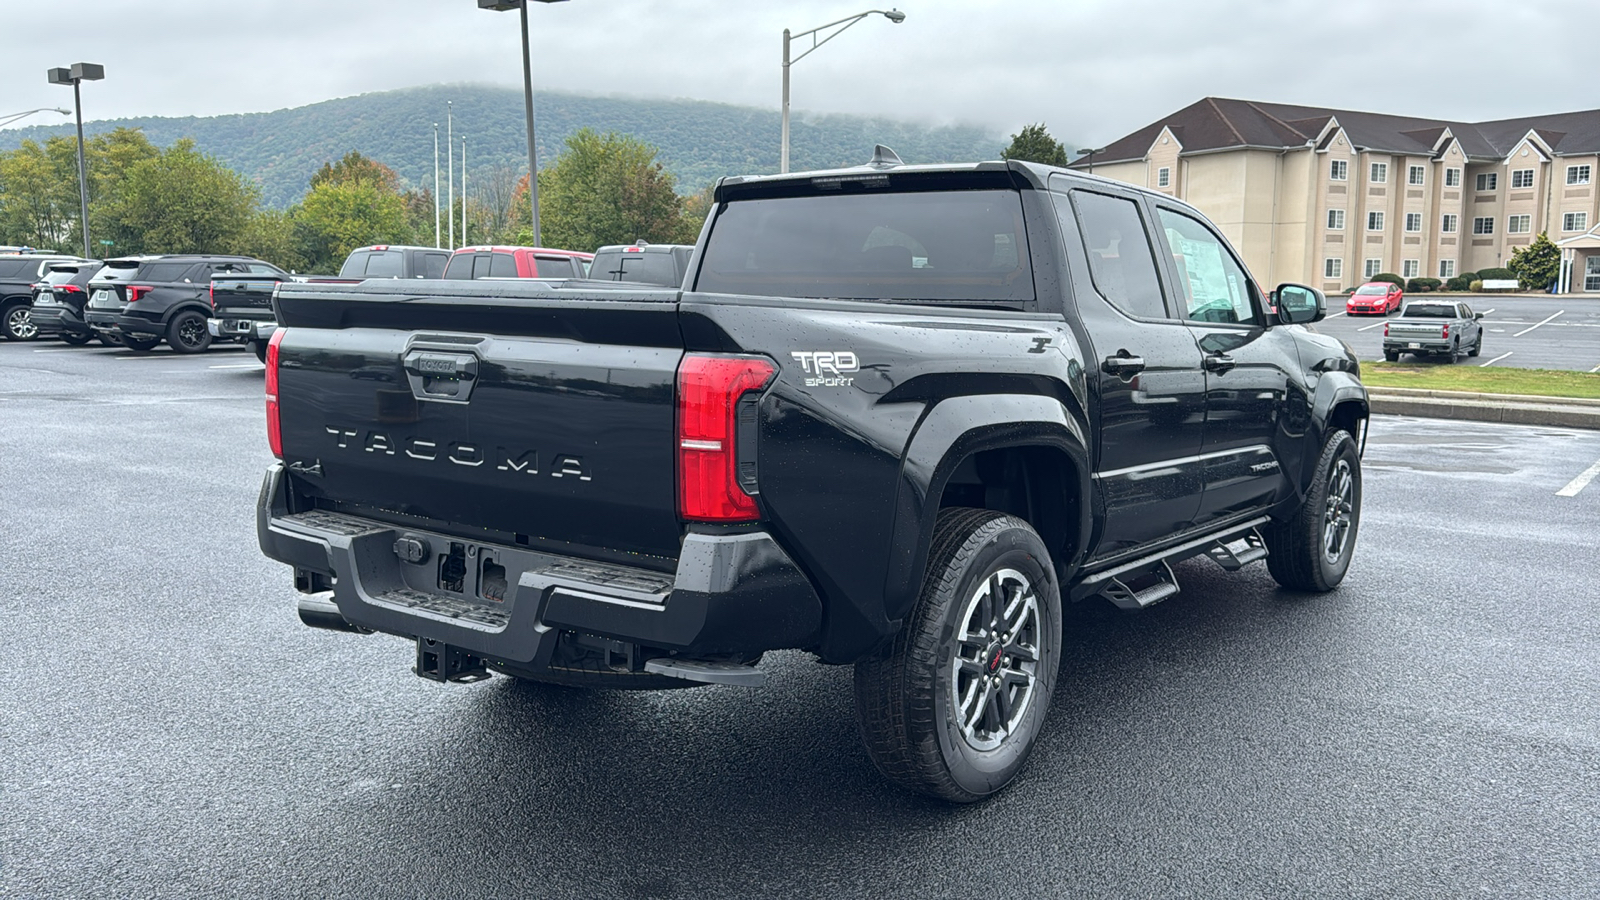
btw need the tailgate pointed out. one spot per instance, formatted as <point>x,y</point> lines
<point>501,407</point>
<point>234,296</point>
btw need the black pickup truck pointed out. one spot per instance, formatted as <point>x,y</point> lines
<point>241,307</point>
<point>899,416</point>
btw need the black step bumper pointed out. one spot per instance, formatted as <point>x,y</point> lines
<point>732,593</point>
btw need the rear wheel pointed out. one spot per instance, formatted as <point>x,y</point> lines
<point>954,704</point>
<point>1312,550</point>
<point>187,333</point>
<point>139,345</point>
<point>74,338</point>
<point>1391,355</point>
<point>259,348</point>
<point>18,323</point>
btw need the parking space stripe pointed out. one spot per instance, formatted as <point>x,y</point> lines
<point>1373,325</point>
<point>1545,322</point>
<point>254,365</point>
<point>1493,361</point>
<point>159,356</point>
<point>1594,370</point>
<point>59,350</point>
<point>1581,482</point>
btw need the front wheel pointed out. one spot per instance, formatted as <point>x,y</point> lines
<point>187,333</point>
<point>18,323</point>
<point>954,704</point>
<point>1477,346</point>
<point>1312,550</point>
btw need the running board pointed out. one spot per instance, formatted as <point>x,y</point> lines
<point>1240,552</point>
<point>707,672</point>
<point>1125,597</point>
<point>1094,583</point>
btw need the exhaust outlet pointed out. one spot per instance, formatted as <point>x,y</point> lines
<point>320,612</point>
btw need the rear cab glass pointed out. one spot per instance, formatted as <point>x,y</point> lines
<point>642,267</point>
<point>373,264</point>
<point>922,246</point>
<point>1429,311</point>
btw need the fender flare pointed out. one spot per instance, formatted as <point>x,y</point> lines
<point>952,430</point>
<point>198,305</point>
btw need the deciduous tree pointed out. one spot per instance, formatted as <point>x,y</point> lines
<point>1034,144</point>
<point>183,201</point>
<point>605,189</point>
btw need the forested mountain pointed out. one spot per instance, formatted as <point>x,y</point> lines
<point>699,141</point>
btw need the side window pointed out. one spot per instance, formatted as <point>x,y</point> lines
<point>1121,261</point>
<point>1215,286</point>
<point>480,265</point>
<point>1466,311</point>
<point>503,265</point>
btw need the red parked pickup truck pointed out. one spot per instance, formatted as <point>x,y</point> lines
<point>517,262</point>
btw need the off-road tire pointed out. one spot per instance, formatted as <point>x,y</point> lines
<point>1296,554</point>
<point>259,348</point>
<point>187,333</point>
<point>905,701</point>
<point>139,345</point>
<point>1477,346</point>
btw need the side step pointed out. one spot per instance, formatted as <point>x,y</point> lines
<point>1240,552</point>
<point>1125,597</point>
<point>707,672</point>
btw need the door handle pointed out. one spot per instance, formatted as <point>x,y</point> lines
<point>1123,364</point>
<point>1219,362</point>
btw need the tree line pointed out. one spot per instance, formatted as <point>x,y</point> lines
<point>602,189</point>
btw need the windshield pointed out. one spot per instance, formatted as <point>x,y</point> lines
<point>1370,289</point>
<point>938,245</point>
<point>1433,311</point>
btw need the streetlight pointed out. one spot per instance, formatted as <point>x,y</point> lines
<point>893,15</point>
<point>79,72</point>
<point>527,101</point>
<point>8,118</point>
<point>1090,154</point>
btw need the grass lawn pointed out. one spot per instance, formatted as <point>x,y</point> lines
<point>1459,377</point>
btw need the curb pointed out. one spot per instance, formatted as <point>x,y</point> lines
<point>1512,409</point>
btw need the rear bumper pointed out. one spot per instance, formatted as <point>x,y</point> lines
<point>227,324</point>
<point>732,593</point>
<point>1404,345</point>
<point>57,320</point>
<point>115,323</point>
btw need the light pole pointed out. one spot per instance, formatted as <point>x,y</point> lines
<point>450,167</point>
<point>893,15</point>
<point>527,101</point>
<point>8,118</point>
<point>436,184</point>
<point>1090,154</point>
<point>79,72</point>
<point>463,190</point>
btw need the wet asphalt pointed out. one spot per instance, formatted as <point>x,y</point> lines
<point>169,729</point>
<point>1520,331</point>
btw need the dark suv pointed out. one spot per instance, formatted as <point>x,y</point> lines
<point>19,272</point>
<point>59,299</point>
<point>141,300</point>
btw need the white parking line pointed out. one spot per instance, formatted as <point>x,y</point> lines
<point>1335,315</point>
<point>1594,370</point>
<point>59,350</point>
<point>164,356</point>
<point>1545,322</point>
<point>1581,482</point>
<point>254,365</point>
<point>1373,325</point>
<point>1493,361</point>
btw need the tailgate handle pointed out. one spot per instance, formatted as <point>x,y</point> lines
<point>436,375</point>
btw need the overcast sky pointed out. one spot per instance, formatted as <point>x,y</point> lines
<point>1093,70</point>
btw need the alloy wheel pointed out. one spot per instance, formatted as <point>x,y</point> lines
<point>995,670</point>
<point>192,331</point>
<point>19,324</point>
<point>1339,514</point>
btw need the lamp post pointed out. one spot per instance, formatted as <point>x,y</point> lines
<point>79,72</point>
<point>893,15</point>
<point>1090,152</point>
<point>450,168</point>
<point>8,118</point>
<point>527,100</point>
<point>436,184</point>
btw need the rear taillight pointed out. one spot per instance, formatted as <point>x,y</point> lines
<point>710,486</point>
<point>1444,332</point>
<point>211,293</point>
<point>137,292</point>
<point>274,430</point>
<point>69,288</point>
<point>1386,329</point>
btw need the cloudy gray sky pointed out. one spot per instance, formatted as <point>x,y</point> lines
<point>1093,70</point>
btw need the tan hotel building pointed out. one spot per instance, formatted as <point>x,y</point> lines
<point>1332,197</point>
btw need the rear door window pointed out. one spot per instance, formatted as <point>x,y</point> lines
<point>502,265</point>
<point>18,268</point>
<point>912,246</point>
<point>1122,263</point>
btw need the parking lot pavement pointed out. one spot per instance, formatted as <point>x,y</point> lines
<point>1520,331</point>
<point>168,728</point>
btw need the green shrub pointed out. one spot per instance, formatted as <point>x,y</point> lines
<point>1475,286</point>
<point>1492,274</point>
<point>1390,277</point>
<point>1461,282</point>
<point>1422,285</point>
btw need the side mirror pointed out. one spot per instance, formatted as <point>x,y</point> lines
<point>1477,315</point>
<point>1299,305</point>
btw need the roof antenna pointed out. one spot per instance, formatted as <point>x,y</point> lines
<point>884,158</point>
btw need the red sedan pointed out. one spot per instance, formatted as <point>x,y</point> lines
<point>1377,297</point>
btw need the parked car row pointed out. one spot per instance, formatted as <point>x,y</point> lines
<point>193,300</point>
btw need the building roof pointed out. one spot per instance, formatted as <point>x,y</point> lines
<point>1217,123</point>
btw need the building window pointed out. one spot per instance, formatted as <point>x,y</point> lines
<point>1578,221</point>
<point>1452,178</point>
<point>1379,173</point>
<point>1448,223</point>
<point>1332,268</point>
<point>1374,266</point>
<point>1413,221</point>
<point>1447,268</point>
<point>1163,177</point>
<point>1409,268</point>
<point>1414,175</point>
<point>1488,181</point>
<point>1578,174</point>
<point>1335,220</point>
<point>1521,178</point>
<point>1374,221</point>
<point>1338,170</point>
<point>1519,224</point>
<point>1483,224</point>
